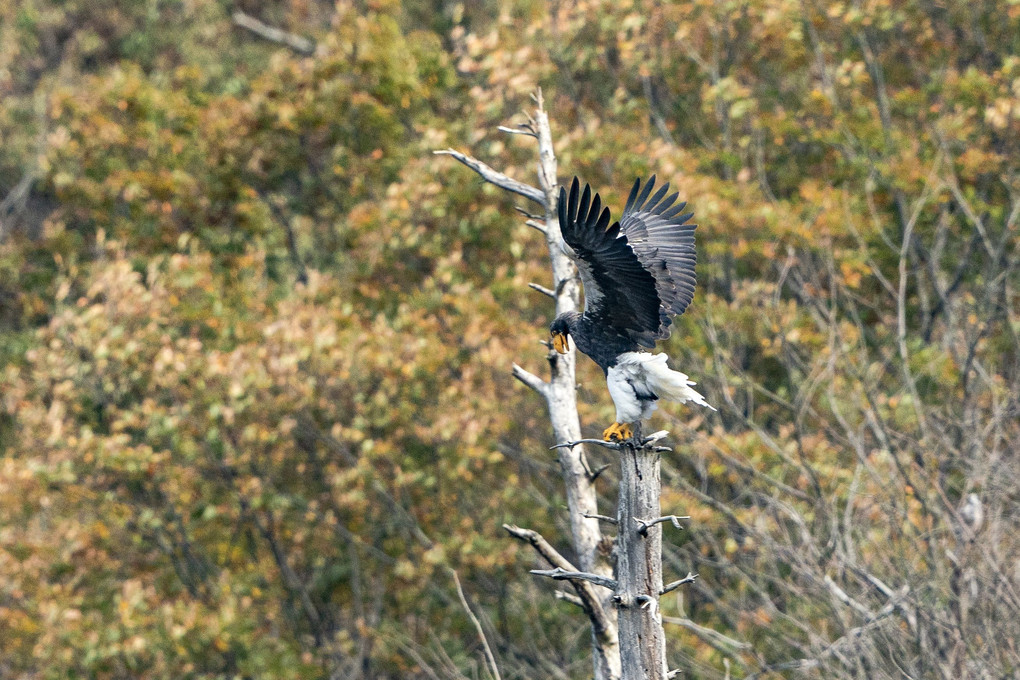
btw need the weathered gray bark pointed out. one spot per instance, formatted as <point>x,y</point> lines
<point>639,566</point>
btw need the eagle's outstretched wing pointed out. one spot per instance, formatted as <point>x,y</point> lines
<point>663,240</point>
<point>619,291</point>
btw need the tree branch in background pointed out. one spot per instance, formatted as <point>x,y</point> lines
<point>295,42</point>
<point>493,668</point>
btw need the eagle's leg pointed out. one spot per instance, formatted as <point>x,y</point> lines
<point>618,432</point>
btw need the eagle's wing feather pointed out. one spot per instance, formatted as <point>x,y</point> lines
<point>660,235</point>
<point>619,291</point>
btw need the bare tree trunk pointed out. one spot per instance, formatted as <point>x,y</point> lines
<point>639,566</point>
<point>559,393</point>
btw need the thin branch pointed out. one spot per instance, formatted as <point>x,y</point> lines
<point>721,642</point>
<point>293,41</point>
<point>16,200</point>
<point>520,130</point>
<point>660,122</point>
<point>602,518</point>
<point>288,230</point>
<point>843,597</point>
<point>654,437</point>
<point>645,524</point>
<point>537,226</point>
<point>569,597</point>
<point>615,446</point>
<point>478,626</point>
<point>542,289</point>
<point>559,574</point>
<point>530,216</point>
<point>530,379</point>
<point>690,578</point>
<point>495,177</point>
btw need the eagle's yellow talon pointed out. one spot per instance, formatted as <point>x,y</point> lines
<point>617,432</point>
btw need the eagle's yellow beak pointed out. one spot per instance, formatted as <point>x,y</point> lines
<point>560,342</point>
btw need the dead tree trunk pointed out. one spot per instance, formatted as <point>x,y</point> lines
<point>635,647</point>
<point>559,393</point>
<point>639,565</point>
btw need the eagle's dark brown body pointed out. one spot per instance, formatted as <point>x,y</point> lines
<point>638,274</point>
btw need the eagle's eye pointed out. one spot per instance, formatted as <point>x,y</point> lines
<point>560,342</point>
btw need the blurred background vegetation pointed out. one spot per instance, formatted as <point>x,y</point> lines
<point>255,339</point>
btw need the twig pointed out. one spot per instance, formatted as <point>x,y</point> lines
<point>16,200</point>
<point>560,574</point>
<point>542,289</point>
<point>615,446</point>
<point>602,518</point>
<point>721,642</point>
<point>520,130</point>
<point>690,578</point>
<point>569,597</point>
<point>660,122</point>
<point>644,525</point>
<point>537,226</point>
<point>843,597</point>
<point>654,437</point>
<point>495,177</point>
<point>603,626</point>
<point>293,41</point>
<point>530,216</point>
<point>478,626</point>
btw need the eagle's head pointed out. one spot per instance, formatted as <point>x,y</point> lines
<point>559,329</point>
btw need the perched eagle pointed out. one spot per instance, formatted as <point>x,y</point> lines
<point>637,273</point>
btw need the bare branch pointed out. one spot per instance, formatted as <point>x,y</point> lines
<point>843,597</point>
<point>602,518</point>
<point>560,574</point>
<point>293,41</point>
<point>478,626</point>
<point>15,201</point>
<point>519,130</point>
<point>538,226</point>
<point>542,289</point>
<point>495,177</point>
<point>644,524</point>
<point>690,578</point>
<point>530,216</point>
<point>615,446</point>
<point>654,437</point>
<point>721,642</point>
<point>569,597</point>
<point>542,546</point>
<point>530,379</point>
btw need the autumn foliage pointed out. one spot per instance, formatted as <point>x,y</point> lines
<point>255,339</point>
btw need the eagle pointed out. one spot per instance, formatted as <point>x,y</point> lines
<point>638,273</point>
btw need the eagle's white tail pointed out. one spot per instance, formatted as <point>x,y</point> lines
<point>638,378</point>
<point>670,384</point>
